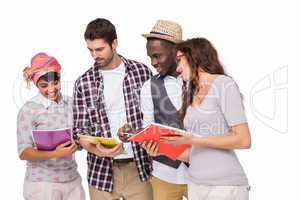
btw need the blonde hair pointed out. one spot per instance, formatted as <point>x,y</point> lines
<point>26,77</point>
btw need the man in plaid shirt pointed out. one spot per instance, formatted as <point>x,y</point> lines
<point>106,97</point>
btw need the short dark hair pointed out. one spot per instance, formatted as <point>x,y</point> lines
<point>50,76</point>
<point>101,28</point>
<point>165,43</point>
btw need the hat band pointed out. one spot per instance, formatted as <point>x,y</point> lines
<point>153,32</point>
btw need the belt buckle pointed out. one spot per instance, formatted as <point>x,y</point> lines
<point>123,161</point>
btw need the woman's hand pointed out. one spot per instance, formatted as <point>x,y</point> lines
<point>179,138</point>
<point>151,147</point>
<point>238,138</point>
<point>65,149</point>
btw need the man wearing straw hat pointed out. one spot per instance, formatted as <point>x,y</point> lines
<point>105,97</point>
<point>160,101</point>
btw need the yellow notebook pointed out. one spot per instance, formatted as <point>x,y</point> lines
<point>107,142</point>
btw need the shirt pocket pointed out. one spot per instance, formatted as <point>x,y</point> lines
<point>94,116</point>
<point>136,92</point>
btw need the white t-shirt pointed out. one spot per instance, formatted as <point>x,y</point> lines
<point>115,104</point>
<point>174,90</point>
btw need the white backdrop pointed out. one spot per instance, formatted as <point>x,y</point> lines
<point>257,42</point>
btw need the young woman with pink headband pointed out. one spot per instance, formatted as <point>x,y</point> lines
<point>48,175</point>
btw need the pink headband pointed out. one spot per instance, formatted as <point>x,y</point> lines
<point>41,64</point>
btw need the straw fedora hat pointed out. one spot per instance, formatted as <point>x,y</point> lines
<point>166,30</point>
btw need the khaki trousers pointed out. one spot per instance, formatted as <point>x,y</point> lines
<point>127,185</point>
<point>163,190</point>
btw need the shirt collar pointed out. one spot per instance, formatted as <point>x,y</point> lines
<point>169,77</point>
<point>40,99</point>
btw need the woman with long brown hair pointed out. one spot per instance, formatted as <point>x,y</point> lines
<point>214,117</point>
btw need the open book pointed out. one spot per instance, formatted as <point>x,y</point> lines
<point>106,142</point>
<point>153,132</point>
<point>48,140</point>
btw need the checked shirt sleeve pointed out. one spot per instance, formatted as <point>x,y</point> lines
<point>81,123</point>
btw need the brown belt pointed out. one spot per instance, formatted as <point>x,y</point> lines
<point>123,161</point>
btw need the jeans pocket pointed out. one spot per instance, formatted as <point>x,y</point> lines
<point>241,193</point>
<point>32,190</point>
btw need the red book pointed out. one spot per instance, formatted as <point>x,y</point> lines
<point>153,132</point>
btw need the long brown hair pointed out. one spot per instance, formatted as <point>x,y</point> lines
<point>200,54</point>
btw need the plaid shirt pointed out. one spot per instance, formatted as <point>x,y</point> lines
<point>90,117</point>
